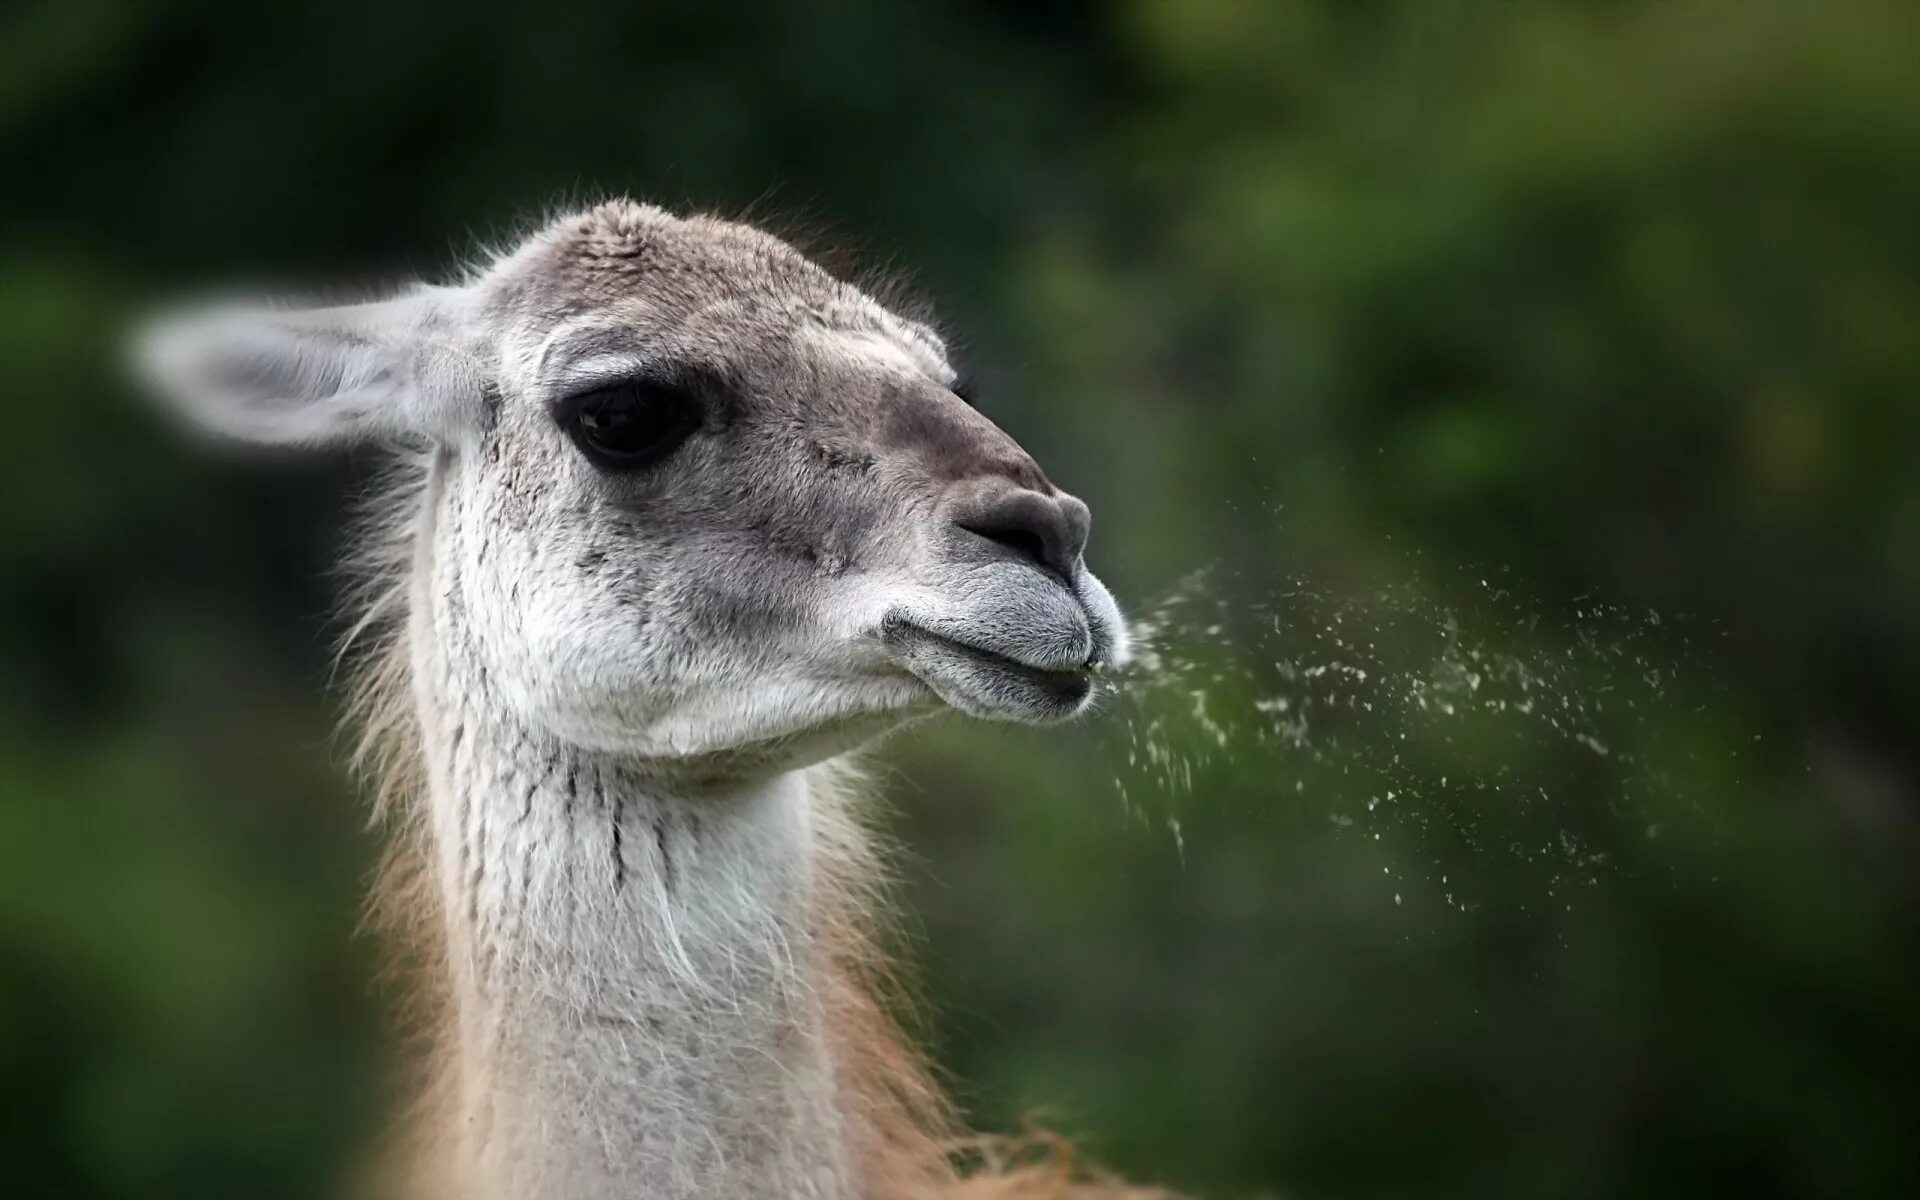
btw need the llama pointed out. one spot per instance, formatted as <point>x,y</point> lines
<point>679,520</point>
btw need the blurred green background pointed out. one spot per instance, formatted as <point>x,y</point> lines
<point>1574,339</point>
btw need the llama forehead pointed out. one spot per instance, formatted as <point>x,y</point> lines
<point>625,281</point>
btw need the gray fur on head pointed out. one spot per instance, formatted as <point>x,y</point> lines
<point>841,543</point>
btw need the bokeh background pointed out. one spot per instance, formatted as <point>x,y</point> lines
<point>1574,345</point>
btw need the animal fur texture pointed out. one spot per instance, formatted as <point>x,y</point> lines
<point>607,705</point>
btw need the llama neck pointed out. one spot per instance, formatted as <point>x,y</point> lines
<point>633,973</point>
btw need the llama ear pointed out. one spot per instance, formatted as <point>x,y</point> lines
<point>384,371</point>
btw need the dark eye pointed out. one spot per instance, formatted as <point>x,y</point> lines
<point>630,425</point>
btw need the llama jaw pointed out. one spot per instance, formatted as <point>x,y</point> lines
<point>1036,653</point>
<point>986,683</point>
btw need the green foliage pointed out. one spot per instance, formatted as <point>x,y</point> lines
<point>1573,343</point>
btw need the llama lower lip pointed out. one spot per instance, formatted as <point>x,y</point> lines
<point>985,683</point>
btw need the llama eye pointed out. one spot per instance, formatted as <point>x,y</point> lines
<point>630,425</point>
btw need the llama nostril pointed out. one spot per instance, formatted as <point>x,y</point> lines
<point>1050,533</point>
<point>1023,542</point>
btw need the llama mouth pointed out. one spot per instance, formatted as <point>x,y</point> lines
<point>987,683</point>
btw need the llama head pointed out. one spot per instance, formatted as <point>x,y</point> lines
<point>691,497</point>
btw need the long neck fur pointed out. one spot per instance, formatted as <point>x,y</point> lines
<point>626,988</point>
<point>632,974</point>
